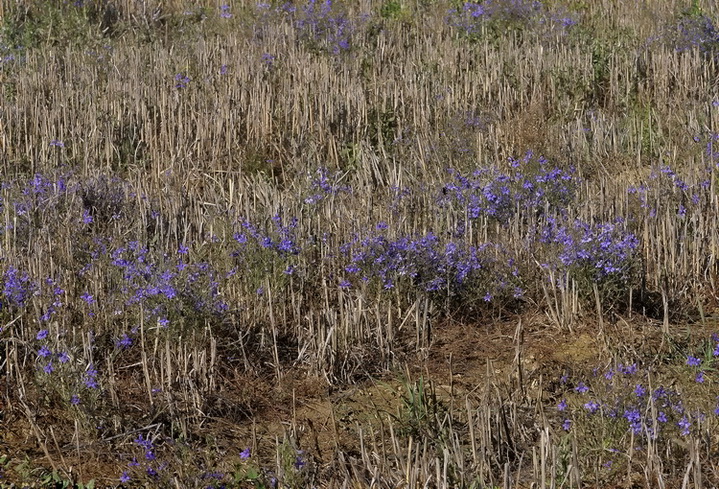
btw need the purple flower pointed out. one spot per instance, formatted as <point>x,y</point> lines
<point>57,143</point>
<point>685,426</point>
<point>91,378</point>
<point>581,388</point>
<point>63,357</point>
<point>87,217</point>
<point>562,405</point>
<point>225,12</point>
<point>125,477</point>
<point>223,70</point>
<point>700,378</point>
<point>693,361</point>
<point>87,298</point>
<point>268,59</point>
<point>629,369</point>
<point>634,417</point>
<point>75,400</point>
<point>245,454</point>
<point>639,390</point>
<point>144,443</point>
<point>567,424</point>
<point>44,352</point>
<point>182,80</point>
<point>48,369</point>
<point>42,334</point>
<point>592,406</point>
<point>124,342</point>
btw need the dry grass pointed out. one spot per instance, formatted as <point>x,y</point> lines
<point>167,162</point>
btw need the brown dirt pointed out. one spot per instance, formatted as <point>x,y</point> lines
<point>462,361</point>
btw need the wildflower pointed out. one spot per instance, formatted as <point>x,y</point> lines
<point>48,369</point>
<point>143,442</point>
<point>91,378</point>
<point>125,477</point>
<point>299,461</point>
<point>634,417</point>
<point>693,361</point>
<point>57,143</point>
<point>629,369</point>
<point>685,426</point>
<point>562,405</point>
<point>581,388</point>
<point>567,424</point>
<point>182,80</point>
<point>268,59</point>
<point>225,11</point>
<point>42,334</point>
<point>592,406</point>
<point>75,400</point>
<point>44,352</point>
<point>124,342</point>
<point>245,454</point>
